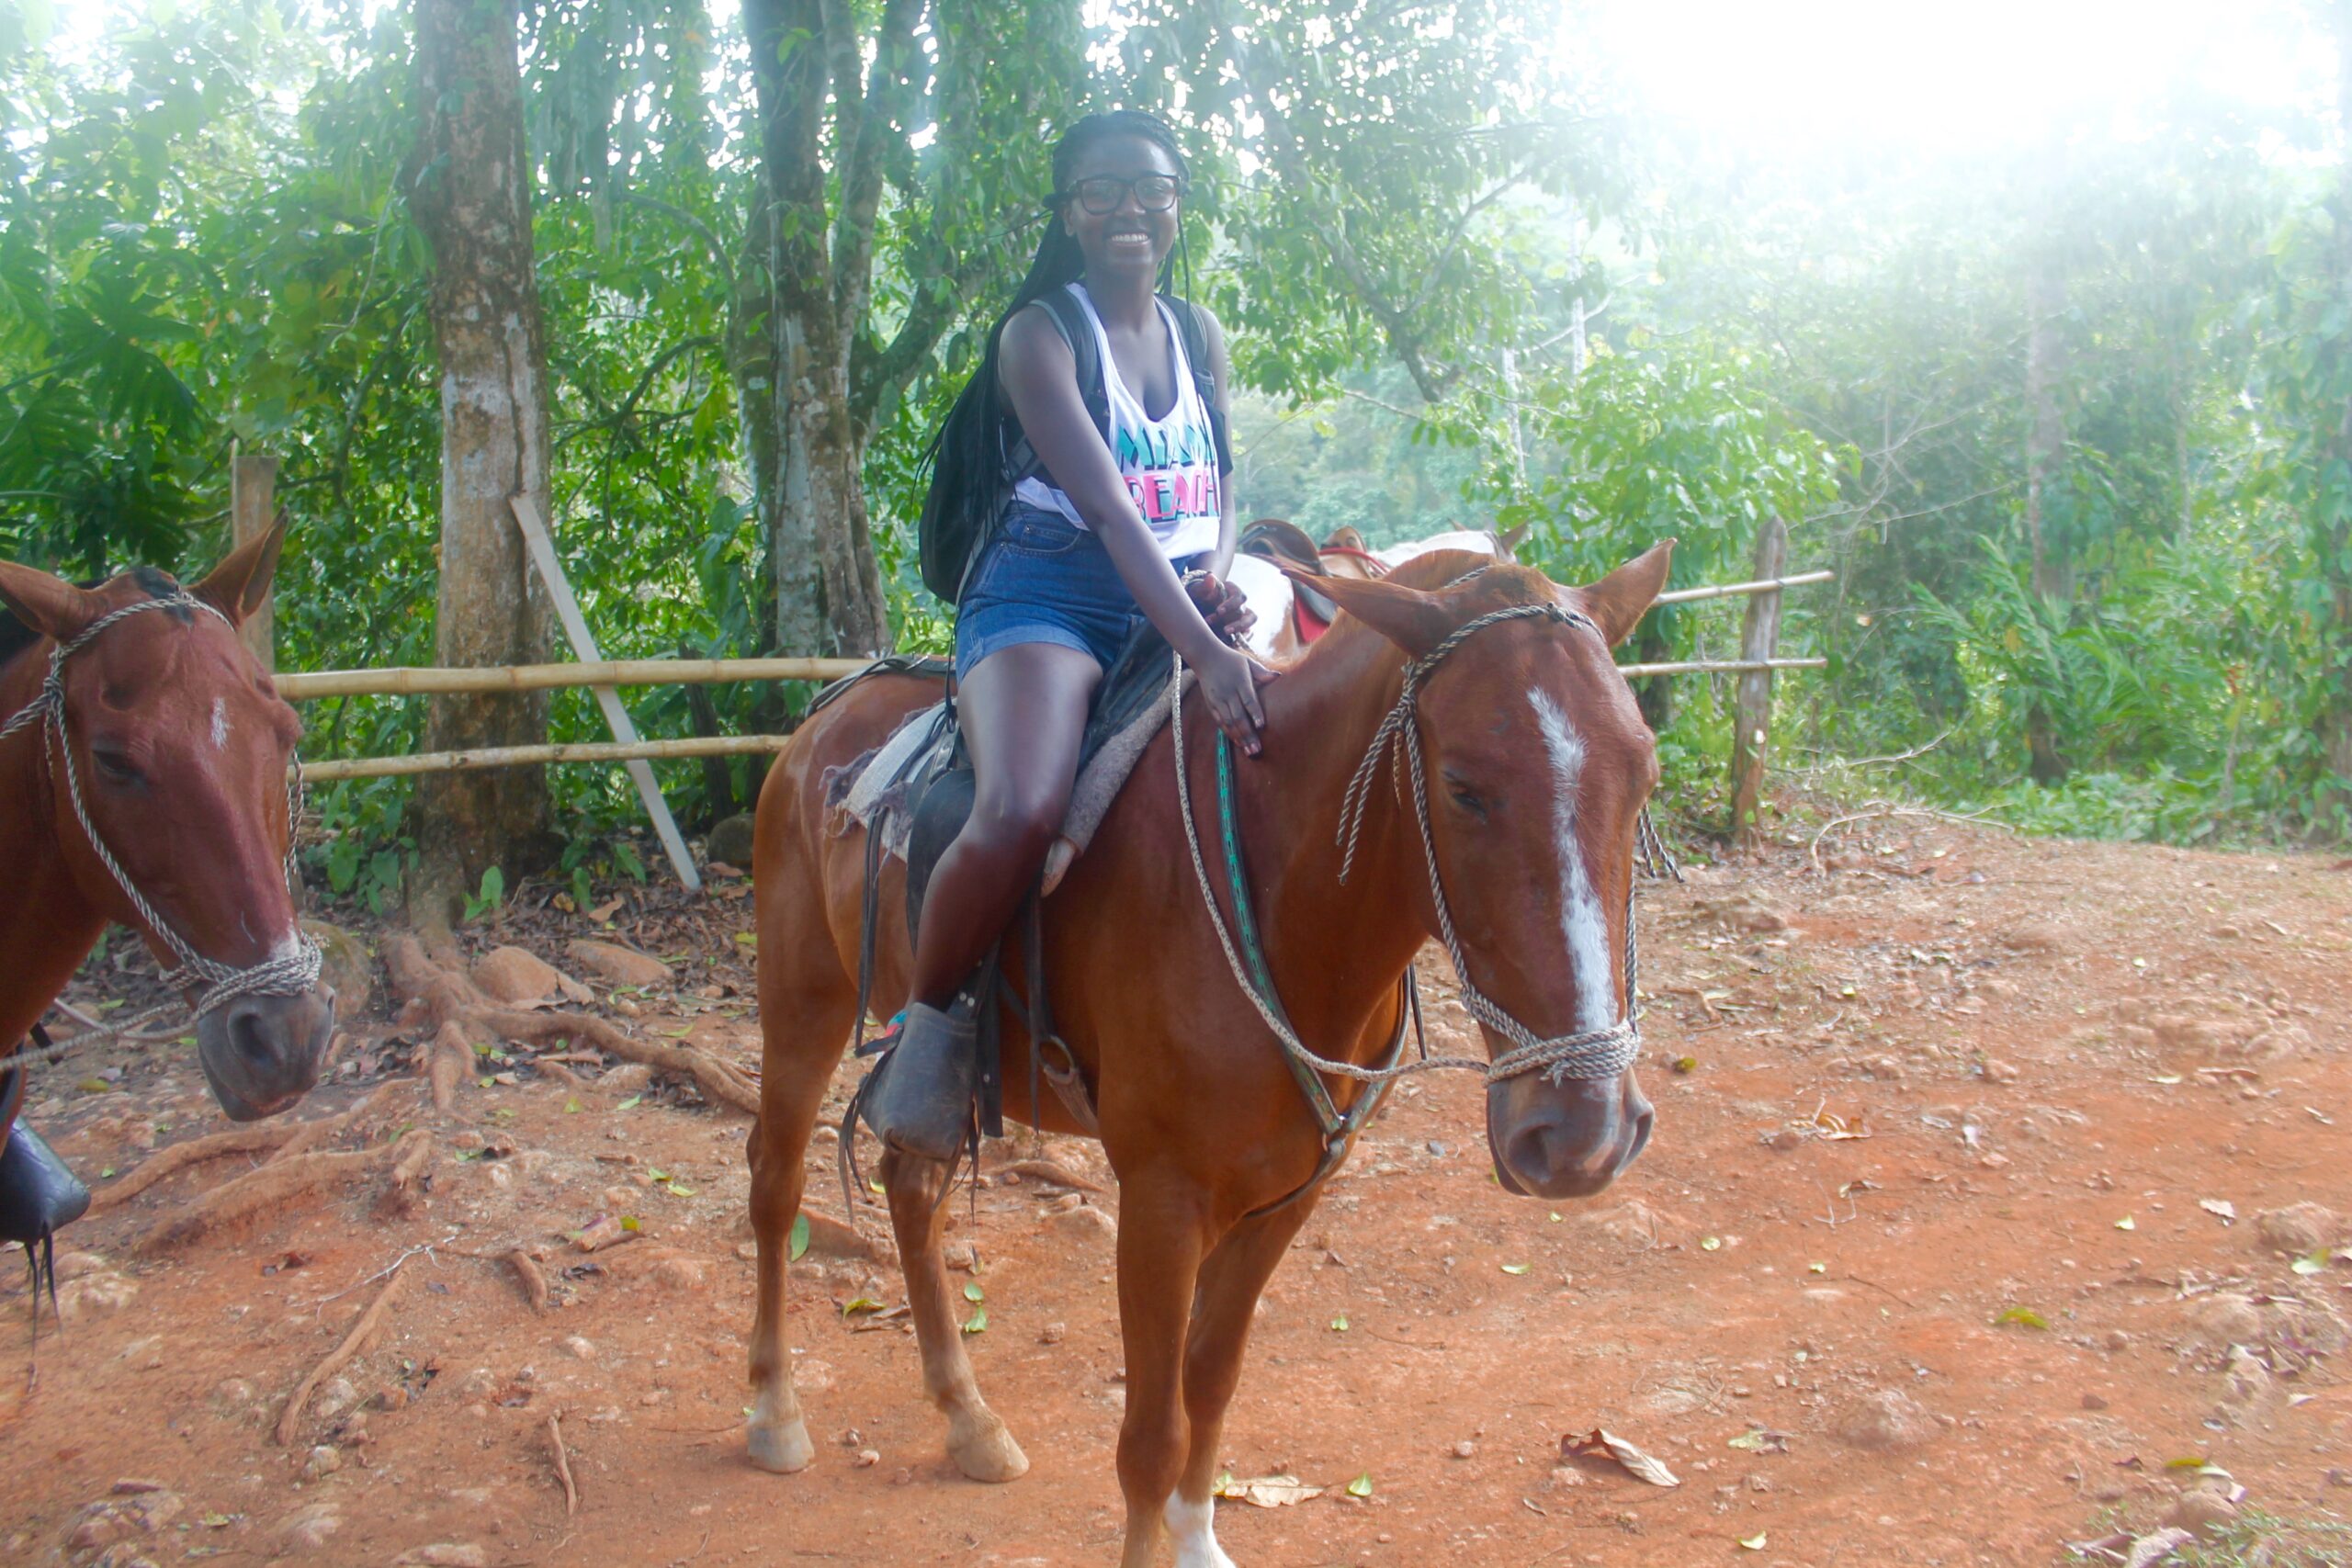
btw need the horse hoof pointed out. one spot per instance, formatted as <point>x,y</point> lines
<point>988,1453</point>
<point>781,1449</point>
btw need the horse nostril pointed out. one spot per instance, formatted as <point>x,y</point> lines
<point>250,1037</point>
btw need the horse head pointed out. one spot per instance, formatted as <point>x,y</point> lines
<point>1536,765</point>
<point>175,745</point>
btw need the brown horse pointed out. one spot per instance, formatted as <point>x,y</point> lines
<point>150,790</point>
<point>1537,764</point>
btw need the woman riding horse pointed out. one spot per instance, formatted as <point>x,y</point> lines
<point>1084,523</point>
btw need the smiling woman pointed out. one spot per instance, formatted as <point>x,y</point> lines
<point>1804,74</point>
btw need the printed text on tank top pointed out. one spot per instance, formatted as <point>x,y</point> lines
<point>1169,463</point>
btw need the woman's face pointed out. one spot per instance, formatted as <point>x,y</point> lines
<point>1129,239</point>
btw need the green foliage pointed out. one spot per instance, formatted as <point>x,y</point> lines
<point>490,897</point>
<point>1403,216</point>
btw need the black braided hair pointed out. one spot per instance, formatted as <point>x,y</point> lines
<point>966,454</point>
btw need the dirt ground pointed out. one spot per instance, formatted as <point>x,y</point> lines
<point>1959,1233</point>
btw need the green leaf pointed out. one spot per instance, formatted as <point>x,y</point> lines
<point>1753,1543</point>
<point>571,1107</point>
<point>1515,1268</point>
<point>1339,1324</point>
<point>629,1222</point>
<point>978,1322</point>
<point>2023,1316</point>
<point>858,1305</point>
<point>680,1189</point>
<point>972,1291</point>
<point>1361,1486</point>
<point>657,1174</point>
<point>631,1103</point>
<point>799,1242</point>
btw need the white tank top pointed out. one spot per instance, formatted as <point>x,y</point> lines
<point>1170,464</point>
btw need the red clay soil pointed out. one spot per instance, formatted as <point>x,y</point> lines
<point>1930,1340</point>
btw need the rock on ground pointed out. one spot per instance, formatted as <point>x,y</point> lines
<point>618,965</point>
<point>2299,1228</point>
<point>1887,1421</point>
<point>346,964</point>
<point>308,1530</point>
<point>513,976</point>
<point>1086,1223</point>
<point>730,841</point>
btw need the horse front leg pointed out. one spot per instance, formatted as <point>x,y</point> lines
<point>806,1028</point>
<point>1231,1278</point>
<point>977,1439</point>
<point>1160,1243</point>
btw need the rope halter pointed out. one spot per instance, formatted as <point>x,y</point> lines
<point>1592,1055</point>
<point>1589,1053</point>
<point>282,974</point>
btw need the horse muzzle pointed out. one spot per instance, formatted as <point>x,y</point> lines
<point>1569,1140</point>
<point>262,1053</point>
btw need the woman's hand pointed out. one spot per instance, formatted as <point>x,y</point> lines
<point>1222,606</point>
<point>1229,681</point>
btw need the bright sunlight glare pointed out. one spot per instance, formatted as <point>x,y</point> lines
<point>1787,75</point>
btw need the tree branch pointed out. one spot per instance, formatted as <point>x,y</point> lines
<point>889,91</point>
<point>1290,159</point>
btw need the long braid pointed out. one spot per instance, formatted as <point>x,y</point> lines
<point>967,456</point>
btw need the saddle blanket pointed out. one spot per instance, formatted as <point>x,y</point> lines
<point>881,784</point>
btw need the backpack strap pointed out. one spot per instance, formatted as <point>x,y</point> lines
<point>1061,307</point>
<point>1196,354</point>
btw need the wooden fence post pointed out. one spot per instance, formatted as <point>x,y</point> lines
<point>252,484</point>
<point>1752,708</point>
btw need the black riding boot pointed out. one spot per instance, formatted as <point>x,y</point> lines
<point>921,1104</point>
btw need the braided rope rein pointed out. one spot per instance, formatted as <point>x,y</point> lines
<point>1597,1054</point>
<point>282,974</point>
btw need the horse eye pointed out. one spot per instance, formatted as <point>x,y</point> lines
<point>116,768</point>
<point>1467,799</point>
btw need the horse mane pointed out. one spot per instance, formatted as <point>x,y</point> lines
<point>15,637</point>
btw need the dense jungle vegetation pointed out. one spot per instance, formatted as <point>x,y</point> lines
<point>2070,413</point>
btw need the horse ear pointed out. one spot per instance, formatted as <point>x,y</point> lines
<point>1617,602</point>
<point>1413,619</point>
<point>50,605</point>
<point>1507,542</point>
<point>240,584</point>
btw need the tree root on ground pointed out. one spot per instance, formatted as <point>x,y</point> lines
<point>352,1343</point>
<point>438,995</point>
<point>273,1185</point>
<point>280,1139</point>
<point>535,1284</point>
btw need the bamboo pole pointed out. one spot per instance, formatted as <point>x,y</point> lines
<point>742,745</point>
<point>1761,585</point>
<point>415,680</point>
<point>521,756</point>
<point>1720,667</point>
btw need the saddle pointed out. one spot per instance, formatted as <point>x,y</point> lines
<point>1272,540</point>
<point>913,795</point>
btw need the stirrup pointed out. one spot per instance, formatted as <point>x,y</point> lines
<point>921,1099</point>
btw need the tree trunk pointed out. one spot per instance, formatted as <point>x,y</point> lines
<point>2335,536</point>
<point>821,551</point>
<point>472,201</point>
<point>2045,447</point>
<point>1752,708</point>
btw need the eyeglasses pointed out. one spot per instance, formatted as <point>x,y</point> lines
<point>1104,193</point>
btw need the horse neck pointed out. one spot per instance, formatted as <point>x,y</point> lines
<point>1336,949</point>
<point>46,925</point>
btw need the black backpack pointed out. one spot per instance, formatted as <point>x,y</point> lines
<point>947,537</point>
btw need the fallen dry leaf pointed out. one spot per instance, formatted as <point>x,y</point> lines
<point>1640,1465</point>
<point>1270,1490</point>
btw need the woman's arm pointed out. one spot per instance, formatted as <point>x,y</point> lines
<point>1041,377</point>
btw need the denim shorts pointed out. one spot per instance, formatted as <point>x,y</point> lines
<point>1041,578</point>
